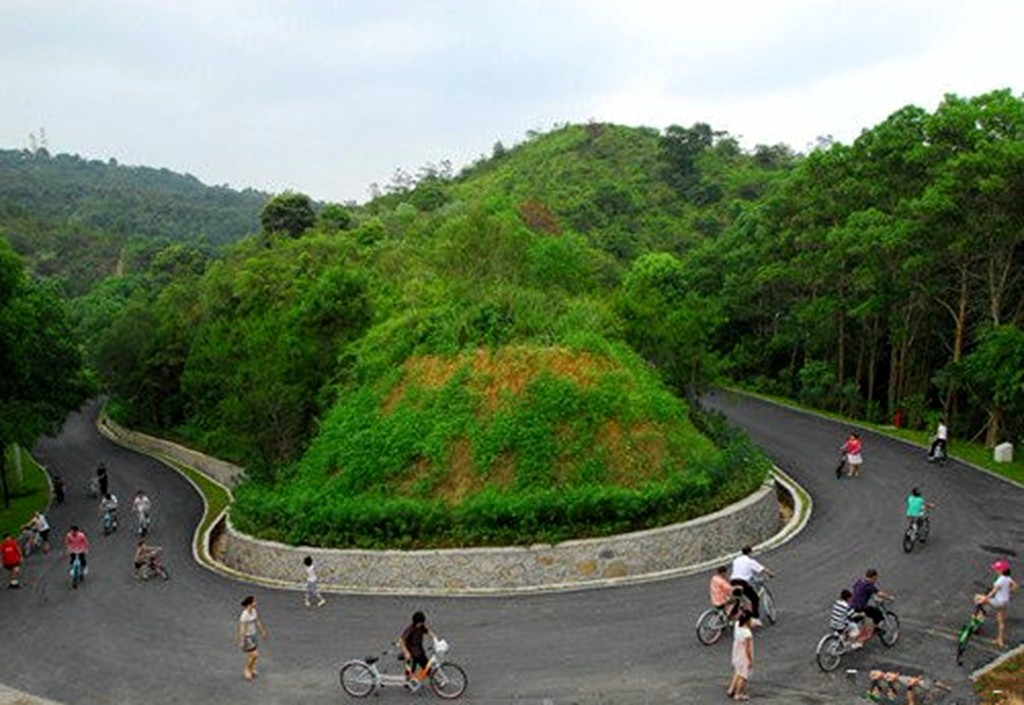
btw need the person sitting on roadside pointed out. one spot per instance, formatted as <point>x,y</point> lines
<point>885,687</point>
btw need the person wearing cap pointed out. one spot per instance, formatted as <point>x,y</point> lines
<point>999,597</point>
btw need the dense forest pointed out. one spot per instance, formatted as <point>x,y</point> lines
<point>866,278</point>
<point>76,219</point>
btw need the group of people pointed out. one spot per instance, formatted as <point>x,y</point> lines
<point>732,590</point>
<point>76,542</point>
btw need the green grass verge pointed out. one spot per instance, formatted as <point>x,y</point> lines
<point>32,494</point>
<point>967,451</point>
<point>217,497</point>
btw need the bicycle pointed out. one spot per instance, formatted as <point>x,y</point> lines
<point>77,572</point>
<point>109,521</point>
<point>837,643</point>
<point>714,620</point>
<point>971,627</point>
<point>31,541</point>
<point>360,677</point>
<point>153,568</point>
<point>917,530</point>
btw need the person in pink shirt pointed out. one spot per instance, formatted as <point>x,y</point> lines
<point>720,589</point>
<point>852,448</point>
<point>77,544</point>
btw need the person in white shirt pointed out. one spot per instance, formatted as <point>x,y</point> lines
<point>142,506</point>
<point>999,597</point>
<point>939,441</point>
<point>744,568</point>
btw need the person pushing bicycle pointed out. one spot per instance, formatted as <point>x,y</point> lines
<point>917,507</point>
<point>411,644</point>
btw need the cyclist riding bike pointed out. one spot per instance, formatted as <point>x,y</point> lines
<point>917,506</point>
<point>863,591</point>
<point>108,506</point>
<point>142,506</point>
<point>77,544</point>
<point>147,554</point>
<point>744,570</point>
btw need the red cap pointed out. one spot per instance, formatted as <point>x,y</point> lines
<point>1000,565</point>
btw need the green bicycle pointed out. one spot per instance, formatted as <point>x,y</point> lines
<point>969,629</point>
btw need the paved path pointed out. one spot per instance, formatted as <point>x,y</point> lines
<point>116,641</point>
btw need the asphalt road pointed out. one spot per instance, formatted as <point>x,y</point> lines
<point>118,641</point>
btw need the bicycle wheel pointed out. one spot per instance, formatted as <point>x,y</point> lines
<point>890,633</point>
<point>448,680</point>
<point>710,626</point>
<point>829,652</point>
<point>909,539</point>
<point>768,608</point>
<point>357,679</point>
<point>76,574</point>
<point>926,528</point>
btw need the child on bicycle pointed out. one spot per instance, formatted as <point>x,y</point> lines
<point>916,506</point>
<point>842,619</point>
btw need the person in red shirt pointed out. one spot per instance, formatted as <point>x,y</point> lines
<point>77,544</point>
<point>10,554</point>
<point>852,448</point>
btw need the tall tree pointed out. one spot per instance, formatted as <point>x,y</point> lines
<point>289,213</point>
<point>42,375</point>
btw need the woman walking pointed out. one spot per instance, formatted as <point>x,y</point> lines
<point>742,658</point>
<point>250,630</point>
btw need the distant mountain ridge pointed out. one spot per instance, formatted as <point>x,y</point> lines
<point>55,209</point>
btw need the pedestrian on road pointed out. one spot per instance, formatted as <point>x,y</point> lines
<point>852,448</point>
<point>250,631</point>
<point>742,658</point>
<point>999,598</point>
<point>103,480</point>
<point>10,554</point>
<point>312,592</point>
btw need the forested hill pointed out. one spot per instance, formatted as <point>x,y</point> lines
<point>70,217</point>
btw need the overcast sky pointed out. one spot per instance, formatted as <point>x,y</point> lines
<point>326,97</point>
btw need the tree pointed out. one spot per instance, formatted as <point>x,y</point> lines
<point>995,374</point>
<point>43,377</point>
<point>289,213</point>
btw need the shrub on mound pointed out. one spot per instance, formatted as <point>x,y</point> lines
<point>518,445</point>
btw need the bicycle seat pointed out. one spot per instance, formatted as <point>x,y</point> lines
<point>372,659</point>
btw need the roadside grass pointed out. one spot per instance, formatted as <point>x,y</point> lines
<point>31,494</point>
<point>218,498</point>
<point>968,451</point>
<point>1003,685</point>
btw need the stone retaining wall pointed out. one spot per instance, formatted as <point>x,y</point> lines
<point>222,471</point>
<point>580,563</point>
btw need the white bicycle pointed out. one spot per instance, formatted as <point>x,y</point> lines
<point>360,677</point>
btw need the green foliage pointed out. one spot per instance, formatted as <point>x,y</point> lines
<point>520,445</point>
<point>289,213</point>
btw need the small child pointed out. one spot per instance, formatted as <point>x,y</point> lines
<point>312,592</point>
<point>840,617</point>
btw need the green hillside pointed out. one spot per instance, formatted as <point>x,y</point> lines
<point>869,278</point>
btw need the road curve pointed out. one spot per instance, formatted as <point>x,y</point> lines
<point>117,641</point>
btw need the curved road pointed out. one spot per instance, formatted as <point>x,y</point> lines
<point>117,641</point>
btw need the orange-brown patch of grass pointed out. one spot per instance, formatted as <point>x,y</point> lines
<point>503,472</point>
<point>462,479</point>
<point>430,371</point>
<point>417,471</point>
<point>635,454</point>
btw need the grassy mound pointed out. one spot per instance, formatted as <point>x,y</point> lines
<point>516,445</point>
